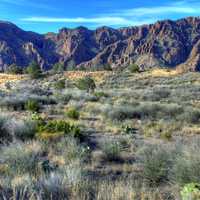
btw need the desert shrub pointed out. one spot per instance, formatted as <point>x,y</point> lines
<point>156,94</point>
<point>70,149</point>
<point>186,167</point>
<point>60,128</point>
<point>100,94</point>
<point>58,184</point>
<point>191,115</point>
<point>161,93</point>
<point>53,186</point>
<point>134,68</point>
<point>86,83</point>
<point>32,105</point>
<point>34,70</point>
<point>63,98</point>
<point>24,130</point>
<point>73,113</point>
<point>21,158</point>
<point>60,84</point>
<point>121,113</point>
<point>144,110</point>
<point>111,150</point>
<point>12,103</point>
<point>156,162</point>
<point>5,135</point>
<point>14,69</point>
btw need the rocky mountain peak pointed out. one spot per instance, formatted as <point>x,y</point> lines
<point>166,43</point>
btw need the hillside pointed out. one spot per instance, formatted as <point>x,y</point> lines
<point>165,43</point>
<point>134,136</point>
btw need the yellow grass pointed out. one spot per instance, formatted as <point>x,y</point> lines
<point>97,76</point>
<point>10,78</point>
<point>191,130</point>
<point>158,72</point>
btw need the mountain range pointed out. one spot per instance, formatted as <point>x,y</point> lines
<point>165,44</point>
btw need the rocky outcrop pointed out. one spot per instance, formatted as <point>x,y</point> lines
<point>165,43</point>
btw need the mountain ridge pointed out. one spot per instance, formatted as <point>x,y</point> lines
<point>165,43</point>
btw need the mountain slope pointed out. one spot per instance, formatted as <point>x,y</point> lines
<point>165,43</point>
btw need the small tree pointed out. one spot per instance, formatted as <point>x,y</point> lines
<point>86,83</point>
<point>34,70</point>
<point>59,68</point>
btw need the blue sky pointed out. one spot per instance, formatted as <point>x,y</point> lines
<point>50,15</point>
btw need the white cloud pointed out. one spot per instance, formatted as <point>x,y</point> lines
<point>158,10</point>
<point>127,17</point>
<point>96,20</point>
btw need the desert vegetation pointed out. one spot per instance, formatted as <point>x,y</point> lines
<point>86,135</point>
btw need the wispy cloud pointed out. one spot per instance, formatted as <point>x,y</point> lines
<point>158,10</point>
<point>184,7</point>
<point>96,20</point>
<point>28,3</point>
<point>126,17</point>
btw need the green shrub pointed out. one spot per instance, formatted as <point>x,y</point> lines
<point>143,111</point>
<point>59,126</point>
<point>32,105</point>
<point>21,158</point>
<point>34,70</point>
<point>134,68</point>
<point>25,130</point>
<point>5,135</point>
<point>191,192</point>
<point>129,130</point>
<point>111,151</point>
<point>86,83</point>
<point>73,113</point>
<point>100,94</point>
<point>186,167</point>
<point>156,163</point>
<point>70,149</point>
<point>60,84</point>
<point>59,68</point>
<point>191,115</point>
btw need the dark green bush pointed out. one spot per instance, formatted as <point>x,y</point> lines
<point>86,83</point>
<point>100,94</point>
<point>60,84</point>
<point>111,151</point>
<point>32,105</point>
<point>61,127</point>
<point>34,70</point>
<point>73,113</point>
<point>134,68</point>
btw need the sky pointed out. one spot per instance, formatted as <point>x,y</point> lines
<point>44,16</point>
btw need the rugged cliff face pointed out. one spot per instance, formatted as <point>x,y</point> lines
<point>165,43</point>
